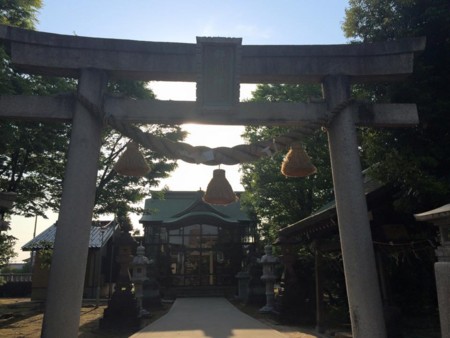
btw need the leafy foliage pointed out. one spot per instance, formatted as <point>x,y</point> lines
<point>119,194</point>
<point>33,154</point>
<point>415,160</point>
<point>45,254</point>
<point>33,160</point>
<point>7,243</point>
<point>276,200</point>
<point>20,13</point>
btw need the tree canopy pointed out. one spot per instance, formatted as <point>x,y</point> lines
<point>20,13</point>
<point>33,154</point>
<point>276,200</point>
<point>415,160</point>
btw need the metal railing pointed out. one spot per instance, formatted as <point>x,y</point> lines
<point>16,277</point>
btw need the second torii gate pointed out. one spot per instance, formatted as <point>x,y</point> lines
<point>218,66</point>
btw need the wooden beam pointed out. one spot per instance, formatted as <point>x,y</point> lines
<point>63,55</point>
<point>60,108</point>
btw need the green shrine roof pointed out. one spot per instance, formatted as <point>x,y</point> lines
<point>174,206</point>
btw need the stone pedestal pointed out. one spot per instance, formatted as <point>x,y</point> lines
<point>139,268</point>
<point>123,310</point>
<point>256,287</point>
<point>442,273</point>
<point>243,278</point>
<point>441,218</point>
<point>151,294</point>
<point>268,262</point>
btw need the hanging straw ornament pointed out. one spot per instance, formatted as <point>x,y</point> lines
<point>219,190</point>
<point>297,163</point>
<point>132,162</point>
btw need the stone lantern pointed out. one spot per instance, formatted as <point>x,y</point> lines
<point>139,275</point>
<point>441,218</point>
<point>122,311</point>
<point>268,262</point>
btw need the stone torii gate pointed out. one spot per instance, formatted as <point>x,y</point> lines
<point>218,66</point>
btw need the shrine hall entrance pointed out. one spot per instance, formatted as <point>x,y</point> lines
<point>195,256</point>
<point>195,244</point>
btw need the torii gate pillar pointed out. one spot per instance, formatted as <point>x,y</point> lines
<point>68,269</point>
<point>364,298</point>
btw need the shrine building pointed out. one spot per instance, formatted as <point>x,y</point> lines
<point>195,245</point>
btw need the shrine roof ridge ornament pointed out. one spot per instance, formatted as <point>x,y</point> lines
<point>64,55</point>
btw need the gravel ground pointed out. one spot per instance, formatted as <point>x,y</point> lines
<point>19,317</point>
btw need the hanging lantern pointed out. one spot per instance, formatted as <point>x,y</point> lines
<point>132,162</point>
<point>219,190</point>
<point>297,163</point>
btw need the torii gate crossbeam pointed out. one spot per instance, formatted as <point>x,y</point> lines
<point>218,66</point>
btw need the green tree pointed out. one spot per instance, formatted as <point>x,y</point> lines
<point>20,13</point>
<point>33,154</point>
<point>276,200</point>
<point>120,194</point>
<point>7,243</point>
<point>45,254</point>
<point>415,160</point>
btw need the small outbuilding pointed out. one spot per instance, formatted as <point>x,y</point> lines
<point>315,289</point>
<point>99,278</point>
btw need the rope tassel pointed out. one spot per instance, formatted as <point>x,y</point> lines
<point>297,163</point>
<point>132,162</point>
<point>219,190</point>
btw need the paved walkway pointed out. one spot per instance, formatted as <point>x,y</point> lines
<point>206,318</point>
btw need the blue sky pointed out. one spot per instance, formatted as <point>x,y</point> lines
<point>257,22</point>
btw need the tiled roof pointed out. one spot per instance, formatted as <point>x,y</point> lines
<point>95,240</point>
<point>172,206</point>
<point>441,212</point>
<point>314,222</point>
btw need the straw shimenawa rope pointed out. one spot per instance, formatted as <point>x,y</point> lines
<point>210,156</point>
